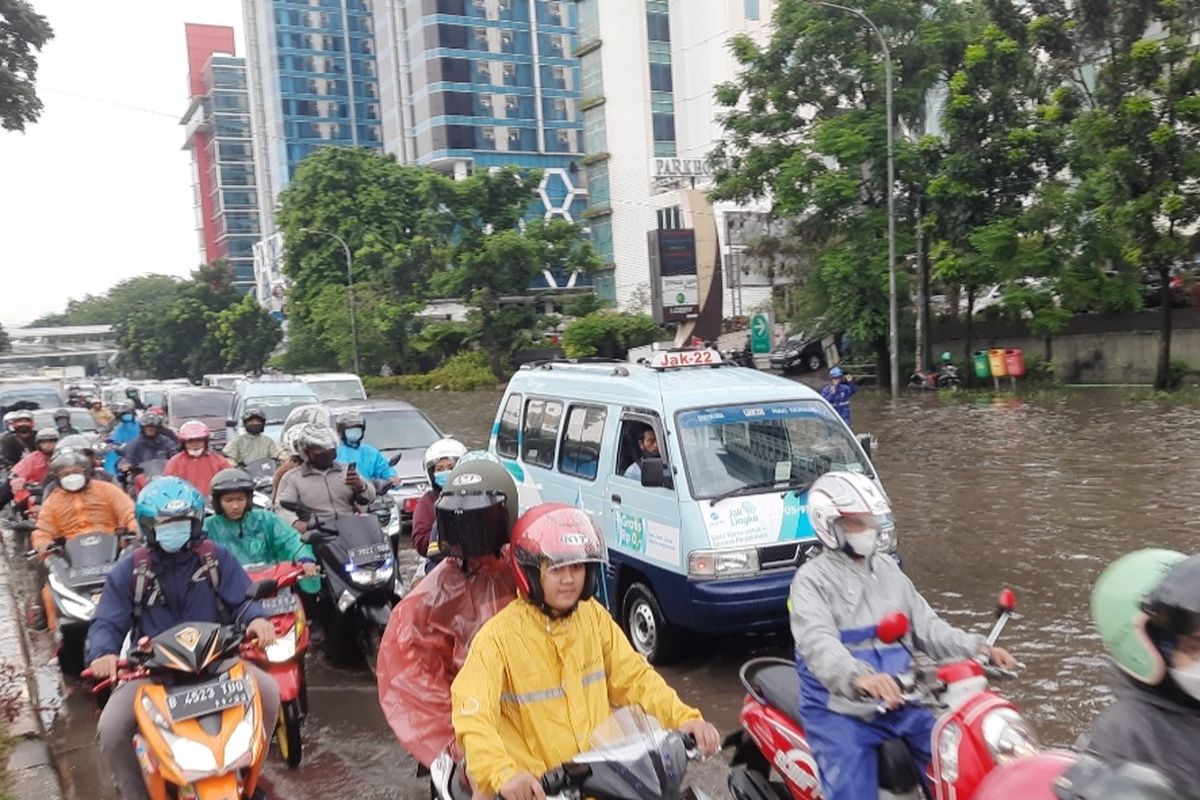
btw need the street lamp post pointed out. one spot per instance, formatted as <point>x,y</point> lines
<point>893,301</point>
<point>350,287</point>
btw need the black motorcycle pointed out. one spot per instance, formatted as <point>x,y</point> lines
<point>76,569</point>
<point>742,357</point>
<point>358,583</point>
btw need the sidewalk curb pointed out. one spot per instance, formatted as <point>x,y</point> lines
<point>30,768</point>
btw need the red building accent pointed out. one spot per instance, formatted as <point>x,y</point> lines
<point>202,42</point>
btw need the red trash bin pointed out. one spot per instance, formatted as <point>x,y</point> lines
<point>1014,362</point>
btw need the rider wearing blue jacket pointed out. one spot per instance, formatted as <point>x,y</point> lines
<point>151,444</point>
<point>125,429</point>
<point>838,391</point>
<point>184,582</point>
<point>371,464</point>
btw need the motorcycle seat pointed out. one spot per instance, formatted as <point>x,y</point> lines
<point>898,771</point>
<point>780,687</point>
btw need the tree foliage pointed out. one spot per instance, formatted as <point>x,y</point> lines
<point>145,292</point>
<point>247,335</point>
<point>413,234</point>
<point>22,33</point>
<point>609,334</point>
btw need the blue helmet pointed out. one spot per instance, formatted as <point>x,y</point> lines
<point>836,372</point>
<point>167,498</point>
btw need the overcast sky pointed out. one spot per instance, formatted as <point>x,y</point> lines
<point>98,189</point>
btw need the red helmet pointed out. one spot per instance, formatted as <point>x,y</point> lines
<point>193,429</point>
<point>555,535</point>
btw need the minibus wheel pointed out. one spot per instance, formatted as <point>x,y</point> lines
<point>648,630</point>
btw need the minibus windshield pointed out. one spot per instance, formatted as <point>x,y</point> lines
<point>760,446</point>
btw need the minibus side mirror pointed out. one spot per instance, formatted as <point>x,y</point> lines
<point>655,474</point>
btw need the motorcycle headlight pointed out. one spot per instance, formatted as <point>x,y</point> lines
<point>195,761</point>
<point>1008,736</point>
<point>948,751</point>
<point>238,746</point>
<point>283,648</point>
<point>722,563</point>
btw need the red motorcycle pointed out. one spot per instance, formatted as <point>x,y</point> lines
<point>983,749</point>
<point>284,658</point>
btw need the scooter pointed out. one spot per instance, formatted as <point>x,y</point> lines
<point>200,727</point>
<point>263,473</point>
<point>76,569</point>
<point>945,377</point>
<point>642,761</point>
<point>358,584</point>
<point>283,659</point>
<point>742,357</point>
<point>980,740</point>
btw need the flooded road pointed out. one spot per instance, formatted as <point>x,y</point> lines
<point>1036,496</point>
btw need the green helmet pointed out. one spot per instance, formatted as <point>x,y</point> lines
<point>1117,600</point>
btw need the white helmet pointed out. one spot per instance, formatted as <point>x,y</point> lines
<point>443,448</point>
<point>848,512</point>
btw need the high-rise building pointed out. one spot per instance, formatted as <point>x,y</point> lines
<point>312,78</point>
<point>218,135</point>
<point>475,84</point>
<point>649,122</point>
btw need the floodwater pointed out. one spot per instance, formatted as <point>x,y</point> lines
<point>1036,496</point>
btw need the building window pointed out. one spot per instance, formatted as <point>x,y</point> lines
<point>510,74</point>
<point>559,74</point>
<point>506,41</point>
<point>511,104</point>
<point>556,13</point>
<point>751,9</point>
<point>485,104</point>
<point>597,184</point>
<point>595,139</point>
<point>481,38</point>
<point>658,26</point>
<point>664,127</point>
<point>660,78</point>
<point>591,75</point>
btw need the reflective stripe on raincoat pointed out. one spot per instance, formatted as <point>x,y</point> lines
<point>533,690</point>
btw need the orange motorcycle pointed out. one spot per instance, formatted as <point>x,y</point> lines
<point>200,727</point>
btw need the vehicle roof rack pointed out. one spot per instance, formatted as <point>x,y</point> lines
<point>550,363</point>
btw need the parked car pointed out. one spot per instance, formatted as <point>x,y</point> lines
<point>33,395</point>
<point>210,405</point>
<point>336,386</point>
<point>400,430</point>
<point>276,399</point>
<point>803,352</point>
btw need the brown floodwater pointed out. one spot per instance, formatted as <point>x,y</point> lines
<point>990,493</point>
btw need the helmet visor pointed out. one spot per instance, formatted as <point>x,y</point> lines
<point>472,524</point>
<point>857,525</point>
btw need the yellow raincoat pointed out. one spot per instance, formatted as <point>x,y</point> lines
<point>533,689</point>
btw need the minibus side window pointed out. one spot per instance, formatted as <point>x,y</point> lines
<point>506,437</point>
<point>630,451</point>
<point>580,454</point>
<point>540,432</point>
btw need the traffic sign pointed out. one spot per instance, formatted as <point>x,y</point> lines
<point>760,333</point>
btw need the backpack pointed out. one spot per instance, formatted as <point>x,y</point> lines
<point>146,590</point>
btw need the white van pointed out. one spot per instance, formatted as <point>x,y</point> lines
<point>708,537</point>
<point>336,386</point>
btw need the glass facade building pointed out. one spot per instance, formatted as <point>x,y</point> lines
<point>471,84</point>
<point>217,125</point>
<point>313,77</point>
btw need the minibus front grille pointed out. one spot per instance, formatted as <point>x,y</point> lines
<point>787,554</point>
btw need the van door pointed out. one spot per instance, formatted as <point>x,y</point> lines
<point>582,460</point>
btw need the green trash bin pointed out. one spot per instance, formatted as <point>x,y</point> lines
<point>982,369</point>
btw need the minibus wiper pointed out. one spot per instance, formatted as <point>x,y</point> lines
<point>750,487</point>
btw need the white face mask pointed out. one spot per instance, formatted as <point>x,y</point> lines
<point>1188,679</point>
<point>195,452</point>
<point>73,482</point>
<point>863,544</point>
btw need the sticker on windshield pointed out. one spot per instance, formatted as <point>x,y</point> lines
<point>783,470</point>
<point>730,414</point>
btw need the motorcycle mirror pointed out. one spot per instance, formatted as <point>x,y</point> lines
<point>394,460</point>
<point>892,628</point>
<point>866,440</point>
<point>1008,601</point>
<point>295,508</point>
<point>262,588</point>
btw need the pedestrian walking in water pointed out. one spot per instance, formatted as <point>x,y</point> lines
<point>838,391</point>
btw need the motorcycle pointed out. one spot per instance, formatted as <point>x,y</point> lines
<point>742,357</point>
<point>944,378</point>
<point>135,476</point>
<point>981,742</point>
<point>76,569</point>
<point>631,758</point>
<point>284,658</point>
<point>358,583</point>
<point>263,473</point>
<point>200,727</point>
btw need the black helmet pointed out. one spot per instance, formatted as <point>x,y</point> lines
<point>230,480</point>
<point>46,435</point>
<point>131,391</point>
<point>1173,607</point>
<point>151,420</point>
<point>477,509</point>
<point>1094,779</point>
<point>350,419</point>
<point>253,413</point>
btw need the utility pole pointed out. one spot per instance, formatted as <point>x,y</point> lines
<point>350,288</point>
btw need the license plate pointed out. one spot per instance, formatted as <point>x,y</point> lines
<point>369,554</point>
<point>207,698</point>
<point>279,604</point>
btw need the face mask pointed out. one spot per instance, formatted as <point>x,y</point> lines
<point>172,536</point>
<point>195,452</point>
<point>862,544</point>
<point>73,482</point>
<point>254,428</point>
<point>1188,679</point>
<point>354,435</point>
<point>440,478</point>
<point>127,417</point>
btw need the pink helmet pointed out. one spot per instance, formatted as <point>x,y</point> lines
<point>193,429</point>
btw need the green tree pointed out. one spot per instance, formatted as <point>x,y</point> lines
<point>22,31</point>
<point>123,299</point>
<point>609,334</point>
<point>1135,143</point>
<point>247,335</point>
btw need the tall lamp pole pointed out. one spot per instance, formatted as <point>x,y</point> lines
<point>350,287</point>
<point>893,302</point>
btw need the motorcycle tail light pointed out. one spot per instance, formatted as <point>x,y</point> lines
<point>410,504</point>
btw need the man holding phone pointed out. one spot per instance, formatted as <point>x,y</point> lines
<point>321,483</point>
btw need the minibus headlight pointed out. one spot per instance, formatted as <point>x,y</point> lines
<point>722,563</point>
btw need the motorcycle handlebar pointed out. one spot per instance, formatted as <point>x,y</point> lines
<point>571,775</point>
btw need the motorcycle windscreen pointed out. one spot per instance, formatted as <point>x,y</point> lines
<point>632,756</point>
<point>363,540</point>
<point>91,556</point>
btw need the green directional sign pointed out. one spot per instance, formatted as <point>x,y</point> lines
<point>760,333</point>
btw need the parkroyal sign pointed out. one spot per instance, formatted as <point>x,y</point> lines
<point>680,168</point>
